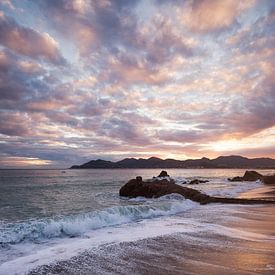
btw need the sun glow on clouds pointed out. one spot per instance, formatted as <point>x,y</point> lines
<point>23,162</point>
<point>84,79</point>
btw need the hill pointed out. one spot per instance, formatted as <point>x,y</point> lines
<point>220,162</point>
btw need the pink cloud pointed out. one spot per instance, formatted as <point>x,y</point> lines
<point>26,41</point>
<point>211,15</point>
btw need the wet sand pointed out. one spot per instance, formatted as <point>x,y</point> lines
<point>241,243</point>
<point>174,254</point>
<point>264,192</point>
<point>260,219</point>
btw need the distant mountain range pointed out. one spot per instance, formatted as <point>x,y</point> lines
<point>220,162</point>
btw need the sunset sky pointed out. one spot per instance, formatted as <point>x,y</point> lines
<point>82,80</point>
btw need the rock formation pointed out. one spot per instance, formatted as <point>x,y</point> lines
<point>248,176</point>
<point>157,188</point>
<point>163,174</point>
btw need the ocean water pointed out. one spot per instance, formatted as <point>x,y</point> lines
<point>55,215</point>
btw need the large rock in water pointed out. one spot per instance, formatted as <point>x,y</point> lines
<point>248,176</point>
<point>269,179</point>
<point>163,174</point>
<point>252,176</point>
<point>157,188</point>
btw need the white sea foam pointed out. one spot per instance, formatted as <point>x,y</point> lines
<point>181,180</point>
<point>67,248</point>
<point>224,188</point>
<point>80,224</point>
<point>31,244</point>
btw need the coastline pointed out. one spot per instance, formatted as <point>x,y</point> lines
<point>234,239</point>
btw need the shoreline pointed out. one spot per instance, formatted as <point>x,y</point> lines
<point>237,250</point>
<point>234,239</point>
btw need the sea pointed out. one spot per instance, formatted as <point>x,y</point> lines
<point>75,222</point>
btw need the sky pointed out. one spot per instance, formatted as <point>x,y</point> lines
<point>111,79</point>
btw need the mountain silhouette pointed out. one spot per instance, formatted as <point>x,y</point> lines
<point>153,162</point>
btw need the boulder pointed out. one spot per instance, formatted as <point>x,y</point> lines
<point>269,179</point>
<point>163,174</point>
<point>158,188</point>
<point>248,176</point>
<point>252,176</point>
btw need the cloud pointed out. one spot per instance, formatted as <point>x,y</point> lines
<point>8,4</point>
<point>21,80</point>
<point>204,16</point>
<point>14,124</point>
<point>44,105</point>
<point>186,136</point>
<point>92,23</point>
<point>12,161</point>
<point>30,67</point>
<point>28,42</point>
<point>124,131</point>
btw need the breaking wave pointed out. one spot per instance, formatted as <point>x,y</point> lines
<point>73,226</point>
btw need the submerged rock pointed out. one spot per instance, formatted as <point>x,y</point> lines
<point>248,176</point>
<point>196,181</point>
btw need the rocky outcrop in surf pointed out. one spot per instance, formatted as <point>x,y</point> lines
<point>157,188</point>
<point>248,176</point>
<point>160,187</point>
<point>269,179</point>
<point>253,176</point>
<point>163,174</point>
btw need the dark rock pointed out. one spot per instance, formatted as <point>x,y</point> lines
<point>252,176</point>
<point>163,174</point>
<point>196,181</point>
<point>139,179</point>
<point>248,176</point>
<point>157,188</point>
<point>269,179</point>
